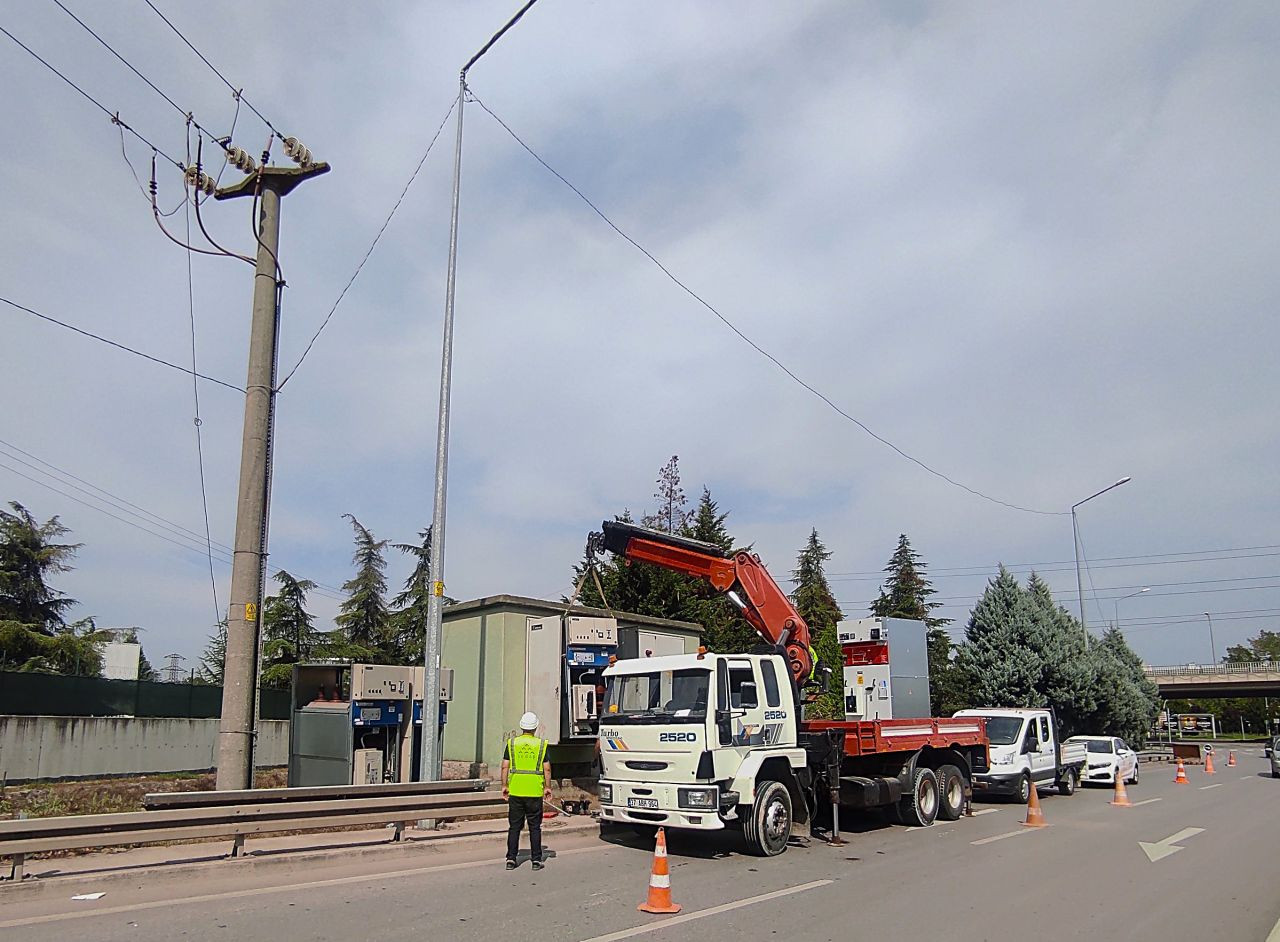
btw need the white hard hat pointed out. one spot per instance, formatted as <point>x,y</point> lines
<point>529,721</point>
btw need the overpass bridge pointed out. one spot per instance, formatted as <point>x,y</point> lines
<point>1239,679</point>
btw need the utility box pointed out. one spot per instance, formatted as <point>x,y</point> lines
<point>886,668</point>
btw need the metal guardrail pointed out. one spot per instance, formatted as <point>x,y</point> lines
<point>159,801</point>
<point>1236,667</point>
<point>237,819</point>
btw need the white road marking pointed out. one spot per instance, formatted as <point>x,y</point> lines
<point>1274,934</point>
<point>266,890</point>
<point>1246,778</point>
<point>976,814</point>
<point>1000,837</point>
<point>713,911</point>
<point>1145,801</point>
<point>1161,849</point>
<point>1205,788</point>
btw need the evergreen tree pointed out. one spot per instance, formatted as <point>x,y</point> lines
<point>672,513</point>
<point>29,554</point>
<point>1066,678</point>
<point>997,666</point>
<point>213,661</point>
<point>409,618</point>
<point>1127,700</point>
<point>817,606</point>
<point>363,619</point>
<point>288,630</point>
<point>905,594</point>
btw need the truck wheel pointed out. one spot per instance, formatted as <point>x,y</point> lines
<point>1024,788</point>
<point>1067,784</point>
<point>768,827</point>
<point>919,807</point>
<point>951,793</point>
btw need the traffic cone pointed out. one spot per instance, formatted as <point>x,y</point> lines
<point>1181,777</point>
<point>1035,817</point>
<point>659,900</point>
<point>1121,799</point>
<point>1231,759</point>
<point>1208,763</point>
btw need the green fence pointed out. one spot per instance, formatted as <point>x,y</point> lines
<point>61,695</point>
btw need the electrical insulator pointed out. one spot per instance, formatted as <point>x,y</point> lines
<point>201,181</point>
<point>241,160</point>
<point>296,151</point>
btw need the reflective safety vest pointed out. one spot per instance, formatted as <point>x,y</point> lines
<point>526,755</point>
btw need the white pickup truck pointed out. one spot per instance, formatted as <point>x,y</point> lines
<point>1026,748</point>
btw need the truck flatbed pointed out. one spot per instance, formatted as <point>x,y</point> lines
<point>872,737</point>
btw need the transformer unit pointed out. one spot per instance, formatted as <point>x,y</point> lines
<point>886,668</point>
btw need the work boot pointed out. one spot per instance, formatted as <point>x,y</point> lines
<point>511,864</point>
<point>538,865</point>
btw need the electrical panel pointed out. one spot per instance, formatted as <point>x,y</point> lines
<point>861,631</point>
<point>380,682</point>
<point>367,768</point>
<point>446,683</point>
<point>886,668</point>
<point>579,629</point>
<point>585,706</point>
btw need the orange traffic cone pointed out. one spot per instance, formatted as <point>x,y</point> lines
<point>659,900</point>
<point>1208,763</point>
<point>1181,777</point>
<point>1121,799</point>
<point>1035,817</point>
<point>1231,759</point>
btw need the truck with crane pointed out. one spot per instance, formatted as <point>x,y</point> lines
<point>714,741</point>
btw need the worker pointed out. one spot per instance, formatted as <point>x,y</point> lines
<point>526,782</point>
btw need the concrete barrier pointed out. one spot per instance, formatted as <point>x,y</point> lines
<point>52,747</point>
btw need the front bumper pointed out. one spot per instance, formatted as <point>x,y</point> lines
<point>667,814</point>
<point>997,783</point>
<point>1103,773</point>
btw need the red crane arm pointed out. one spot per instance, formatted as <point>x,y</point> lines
<point>740,576</point>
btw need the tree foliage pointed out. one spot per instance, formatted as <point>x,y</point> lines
<point>213,662</point>
<point>814,601</point>
<point>672,513</point>
<point>289,634</point>
<point>409,607</point>
<point>363,617</point>
<point>1265,647</point>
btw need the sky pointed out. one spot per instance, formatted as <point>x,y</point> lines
<point>1033,246</point>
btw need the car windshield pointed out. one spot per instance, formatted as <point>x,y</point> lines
<point>1003,730</point>
<point>658,697</point>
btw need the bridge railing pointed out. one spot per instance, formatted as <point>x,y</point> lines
<point>1235,667</point>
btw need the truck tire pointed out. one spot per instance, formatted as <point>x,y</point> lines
<point>1024,788</point>
<point>950,793</point>
<point>767,828</point>
<point>1067,784</point>
<point>919,806</point>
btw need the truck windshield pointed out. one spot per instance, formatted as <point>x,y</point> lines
<point>1003,730</point>
<point>658,697</point>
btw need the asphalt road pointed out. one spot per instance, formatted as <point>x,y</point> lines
<point>980,878</point>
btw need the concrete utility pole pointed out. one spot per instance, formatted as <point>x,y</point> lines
<point>240,672</point>
<point>430,766</point>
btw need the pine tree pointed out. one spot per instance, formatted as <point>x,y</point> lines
<point>363,619</point>
<point>996,665</point>
<point>817,606</point>
<point>213,661</point>
<point>29,554</point>
<point>905,594</point>
<point>1065,673</point>
<point>409,617</point>
<point>672,513</point>
<point>288,630</point>
<point>1127,700</point>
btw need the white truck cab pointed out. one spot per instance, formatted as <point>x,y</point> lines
<point>692,741</point>
<point>1026,748</point>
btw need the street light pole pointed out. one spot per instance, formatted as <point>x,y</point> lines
<point>1145,588</point>
<point>1075,532</point>
<point>1213,648</point>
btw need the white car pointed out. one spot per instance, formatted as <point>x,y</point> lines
<point>1109,756</point>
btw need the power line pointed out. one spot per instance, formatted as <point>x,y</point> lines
<point>1042,570</point>
<point>1070,593</point>
<point>373,245</point>
<point>746,339</point>
<point>113,115</point>
<point>238,93</point>
<point>120,346</point>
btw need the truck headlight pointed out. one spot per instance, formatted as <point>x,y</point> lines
<point>1002,760</point>
<point>703,799</point>
<point>605,794</point>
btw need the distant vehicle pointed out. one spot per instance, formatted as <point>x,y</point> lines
<point>1108,757</point>
<point>1273,753</point>
<point>1025,748</point>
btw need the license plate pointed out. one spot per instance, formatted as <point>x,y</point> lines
<point>642,803</point>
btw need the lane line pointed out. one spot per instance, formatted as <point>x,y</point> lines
<point>266,890</point>
<point>1205,788</point>
<point>1274,934</point>
<point>1145,801</point>
<point>1001,837</point>
<point>1245,778</point>
<point>713,911</point>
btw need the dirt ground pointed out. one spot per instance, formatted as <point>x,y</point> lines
<point>109,795</point>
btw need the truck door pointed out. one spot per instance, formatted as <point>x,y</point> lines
<point>747,697</point>
<point>1044,762</point>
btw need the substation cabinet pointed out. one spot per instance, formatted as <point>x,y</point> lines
<point>564,660</point>
<point>886,668</point>
<point>358,724</point>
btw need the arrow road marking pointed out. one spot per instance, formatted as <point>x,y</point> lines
<point>1161,849</point>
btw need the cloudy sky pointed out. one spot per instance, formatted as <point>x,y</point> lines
<point>1032,245</point>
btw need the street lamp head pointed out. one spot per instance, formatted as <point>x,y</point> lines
<point>1123,480</point>
<point>1145,588</point>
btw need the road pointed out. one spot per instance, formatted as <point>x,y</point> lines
<point>980,878</point>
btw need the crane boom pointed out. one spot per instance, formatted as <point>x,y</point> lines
<point>740,576</point>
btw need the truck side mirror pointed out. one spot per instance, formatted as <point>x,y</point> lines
<point>748,696</point>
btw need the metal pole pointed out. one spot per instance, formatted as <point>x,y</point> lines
<point>1213,648</point>
<point>240,670</point>
<point>1075,535</point>
<point>431,760</point>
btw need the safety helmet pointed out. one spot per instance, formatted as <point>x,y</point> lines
<point>529,722</point>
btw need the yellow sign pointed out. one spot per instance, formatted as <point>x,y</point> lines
<point>250,611</point>
<point>439,589</point>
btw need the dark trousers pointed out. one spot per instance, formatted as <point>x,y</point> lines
<point>519,812</point>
